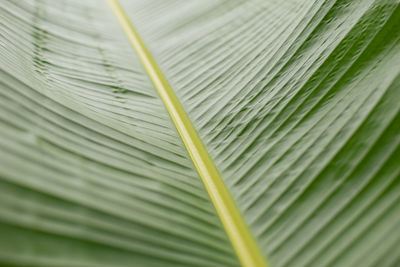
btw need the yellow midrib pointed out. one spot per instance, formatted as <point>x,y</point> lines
<point>243,242</point>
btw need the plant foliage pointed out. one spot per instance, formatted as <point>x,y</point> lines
<point>297,102</point>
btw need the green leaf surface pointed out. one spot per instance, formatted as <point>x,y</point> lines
<point>297,102</point>
<point>93,172</point>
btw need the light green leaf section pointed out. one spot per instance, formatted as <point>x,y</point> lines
<point>92,170</point>
<point>298,104</point>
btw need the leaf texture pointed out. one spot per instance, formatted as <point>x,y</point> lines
<point>298,104</point>
<point>92,170</point>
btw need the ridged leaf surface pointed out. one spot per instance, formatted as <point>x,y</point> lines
<point>297,102</point>
<point>92,169</point>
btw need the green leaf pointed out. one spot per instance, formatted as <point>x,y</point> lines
<point>93,172</point>
<point>297,102</point>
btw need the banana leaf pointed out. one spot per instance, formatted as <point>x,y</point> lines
<point>297,102</point>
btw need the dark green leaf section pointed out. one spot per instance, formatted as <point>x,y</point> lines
<point>298,103</point>
<point>92,170</point>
